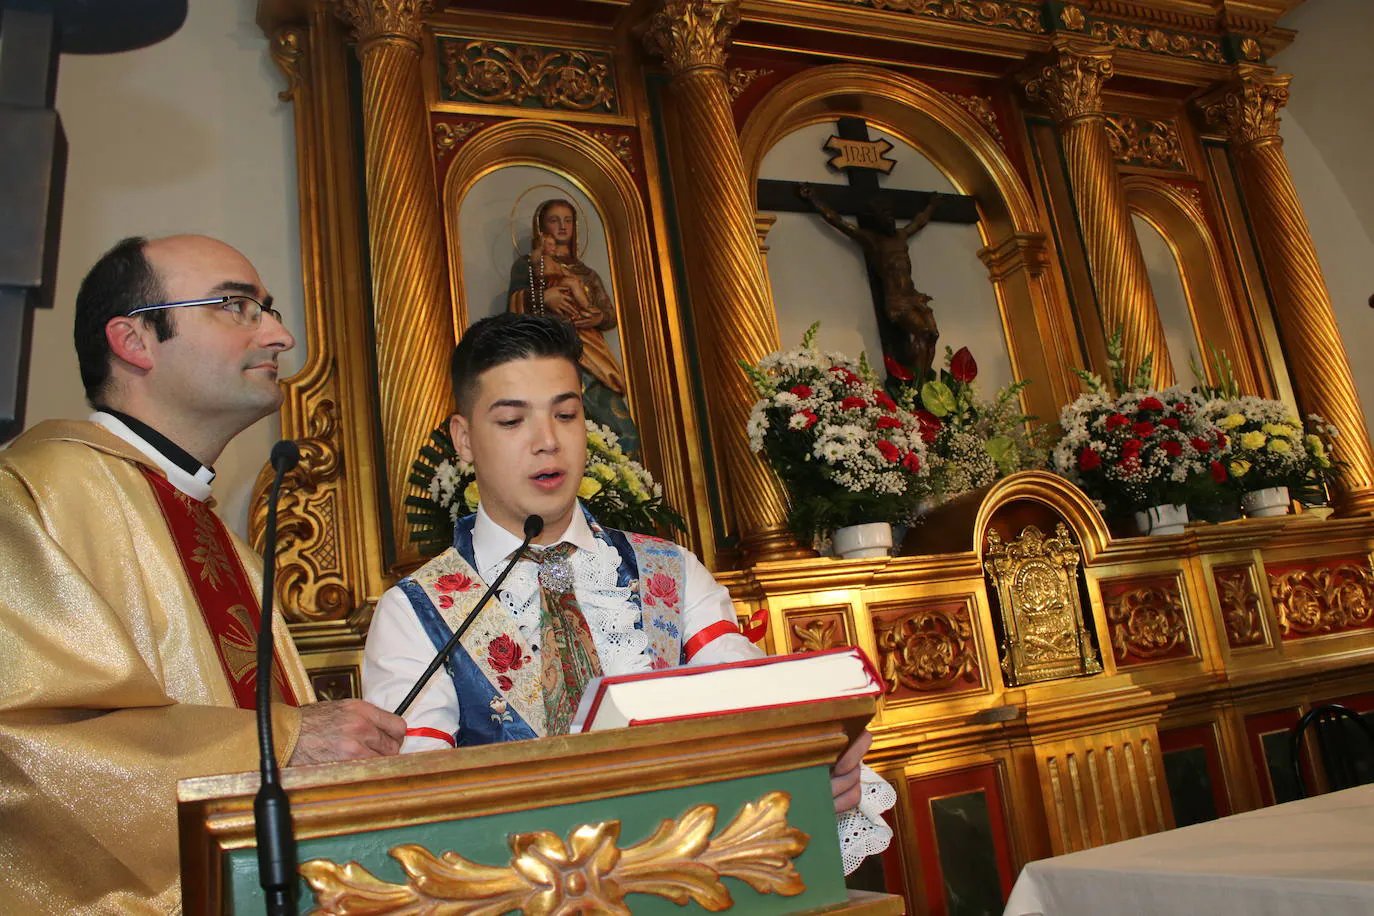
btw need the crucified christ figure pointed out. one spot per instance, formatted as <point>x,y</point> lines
<point>907,309</point>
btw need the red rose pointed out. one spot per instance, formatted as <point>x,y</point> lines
<point>660,588</point>
<point>912,462</point>
<point>889,423</point>
<point>1088,460</point>
<point>896,369</point>
<point>1221,439</point>
<point>963,366</point>
<point>1171,448</point>
<point>890,451</point>
<point>1183,407</point>
<point>1116,421</point>
<point>1218,472</point>
<point>1171,422</point>
<point>1144,429</point>
<point>455,582</point>
<point>810,417</point>
<point>504,654</point>
<point>882,400</point>
<point>930,425</point>
<point>1151,404</point>
<point>853,403</point>
<point>1129,463</point>
<point>1132,447</point>
<point>504,682</point>
<point>849,377</point>
<point>445,601</point>
<point>1202,445</point>
<point>801,391</point>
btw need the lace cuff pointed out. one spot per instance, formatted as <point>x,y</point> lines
<point>863,832</point>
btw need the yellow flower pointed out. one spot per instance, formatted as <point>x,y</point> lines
<point>602,472</point>
<point>1277,429</point>
<point>1280,446</point>
<point>1316,446</point>
<point>588,488</point>
<point>1240,468</point>
<point>1232,421</point>
<point>595,441</point>
<point>471,495</point>
<point>1252,441</point>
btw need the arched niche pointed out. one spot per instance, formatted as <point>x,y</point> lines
<point>1037,325</point>
<point>651,352</point>
<point>1213,310</point>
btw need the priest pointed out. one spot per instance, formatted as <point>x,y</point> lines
<point>127,610</point>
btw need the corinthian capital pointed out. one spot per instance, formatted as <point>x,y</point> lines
<point>691,34</point>
<point>1070,85</point>
<point>1247,108</point>
<point>374,19</point>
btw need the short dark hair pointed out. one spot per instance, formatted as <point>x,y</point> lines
<point>121,281</point>
<point>503,338</point>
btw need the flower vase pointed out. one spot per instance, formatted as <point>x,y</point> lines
<point>1266,503</point>
<point>1162,520</point>
<point>861,542</point>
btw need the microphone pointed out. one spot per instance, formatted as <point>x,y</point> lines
<point>533,525</point>
<point>271,809</point>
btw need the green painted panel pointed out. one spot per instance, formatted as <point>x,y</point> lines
<point>483,840</point>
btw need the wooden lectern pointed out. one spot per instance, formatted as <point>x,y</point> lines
<point>729,812</point>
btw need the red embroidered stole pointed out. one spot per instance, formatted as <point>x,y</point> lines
<point>227,601</point>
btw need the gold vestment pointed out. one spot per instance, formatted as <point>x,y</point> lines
<point>112,688</point>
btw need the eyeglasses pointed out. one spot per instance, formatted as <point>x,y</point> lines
<point>245,310</point>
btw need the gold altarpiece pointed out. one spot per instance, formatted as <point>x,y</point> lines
<point>1063,121</point>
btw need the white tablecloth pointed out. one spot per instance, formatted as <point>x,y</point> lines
<point>1314,856</point>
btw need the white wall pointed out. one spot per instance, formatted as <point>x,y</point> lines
<point>183,136</point>
<point>1328,134</point>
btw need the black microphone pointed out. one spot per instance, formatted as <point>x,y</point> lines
<point>271,809</point>
<point>533,525</point>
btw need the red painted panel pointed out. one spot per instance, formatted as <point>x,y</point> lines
<point>923,792</point>
<point>1205,737</point>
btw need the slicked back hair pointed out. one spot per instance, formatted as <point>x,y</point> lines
<point>504,338</point>
<point>121,281</point>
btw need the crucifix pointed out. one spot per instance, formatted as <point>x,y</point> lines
<point>906,322</point>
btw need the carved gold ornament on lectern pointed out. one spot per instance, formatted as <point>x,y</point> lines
<point>1042,619</point>
<point>588,872</point>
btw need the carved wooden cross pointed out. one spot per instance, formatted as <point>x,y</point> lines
<point>876,210</point>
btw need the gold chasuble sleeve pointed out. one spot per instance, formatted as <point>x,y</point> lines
<point>111,688</point>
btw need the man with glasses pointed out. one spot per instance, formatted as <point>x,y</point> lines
<point>127,610</point>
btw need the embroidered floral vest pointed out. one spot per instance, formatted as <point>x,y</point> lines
<point>500,697</point>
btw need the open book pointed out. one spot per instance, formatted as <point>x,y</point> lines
<point>707,690</point>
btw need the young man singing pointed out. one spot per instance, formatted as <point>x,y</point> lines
<point>571,608</point>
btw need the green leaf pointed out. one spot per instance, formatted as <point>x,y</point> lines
<point>1001,449</point>
<point>938,399</point>
<point>809,338</point>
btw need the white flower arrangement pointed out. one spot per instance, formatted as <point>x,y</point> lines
<point>845,451</point>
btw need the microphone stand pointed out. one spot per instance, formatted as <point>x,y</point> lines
<point>533,525</point>
<point>275,837</point>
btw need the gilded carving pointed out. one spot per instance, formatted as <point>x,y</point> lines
<point>448,136</point>
<point>1147,622</point>
<point>619,144</point>
<point>1023,17</point>
<point>1145,142</point>
<point>689,34</point>
<point>307,525</point>
<point>1073,19</point>
<point>1070,86</point>
<point>1158,41</point>
<point>505,74</point>
<point>817,635</point>
<point>738,79</point>
<point>928,650</point>
<point>377,19</point>
<point>1248,109</point>
<point>1326,599</point>
<point>1022,251</point>
<point>981,109</point>
<point>1240,606</point>
<point>589,872</point>
<point>1250,49</point>
<point>288,52</point>
<point>1042,617</point>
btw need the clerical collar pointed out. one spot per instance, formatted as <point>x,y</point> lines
<point>182,469</point>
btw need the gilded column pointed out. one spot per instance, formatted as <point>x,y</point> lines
<point>730,305</point>
<point>413,314</point>
<point>1247,109</point>
<point>1070,87</point>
